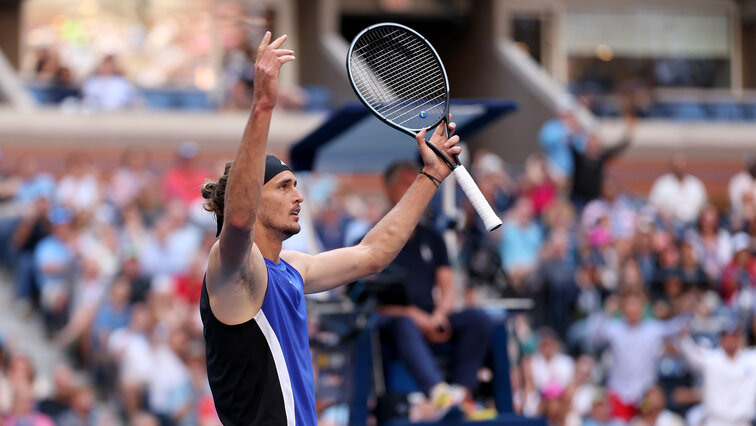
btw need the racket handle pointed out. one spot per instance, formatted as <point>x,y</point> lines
<point>490,219</point>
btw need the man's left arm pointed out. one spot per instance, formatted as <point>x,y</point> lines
<point>380,246</point>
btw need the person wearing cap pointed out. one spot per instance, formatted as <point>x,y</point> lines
<point>729,377</point>
<point>252,303</point>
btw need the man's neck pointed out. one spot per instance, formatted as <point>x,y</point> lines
<point>269,245</point>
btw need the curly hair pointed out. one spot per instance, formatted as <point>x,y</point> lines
<point>215,192</point>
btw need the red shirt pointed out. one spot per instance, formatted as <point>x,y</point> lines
<point>184,183</point>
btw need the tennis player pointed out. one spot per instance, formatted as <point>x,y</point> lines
<point>252,306</point>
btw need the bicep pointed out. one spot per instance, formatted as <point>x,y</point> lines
<point>236,293</point>
<point>332,268</point>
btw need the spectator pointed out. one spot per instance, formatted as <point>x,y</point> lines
<point>742,189</point>
<point>57,261</point>
<point>520,244</point>
<point>428,326</point>
<point>526,398</point>
<point>617,208</point>
<point>107,89</point>
<point>583,389</point>
<point>22,411</point>
<point>131,178</point>
<point>33,228</point>
<point>558,272</point>
<point>537,185</point>
<point>739,277</point>
<point>60,401</point>
<point>169,386</point>
<point>130,348</point>
<point>729,385</point>
<point>79,188</point>
<point>113,314</point>
<point>601,414</point>
<point>711,244</point>
<point>550,367</point>
<point>679,196</point>
<point>588,172</point>
<point>182,180</point>
<point>82,412</point>
<point>653,413</point>
<point>556,138</point>
<point>171,248</point>
<point>634,343</point>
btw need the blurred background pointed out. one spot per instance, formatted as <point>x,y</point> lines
<point>614,137</point>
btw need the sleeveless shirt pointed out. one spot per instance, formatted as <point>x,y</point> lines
<point>260,371</point>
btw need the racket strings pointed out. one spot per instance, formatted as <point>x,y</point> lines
<point>420,59</point>
<point>399,76</point>
<point>422,56</point>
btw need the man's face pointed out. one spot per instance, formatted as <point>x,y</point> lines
<point>730,343</point>
<point>280,205</point>
<point>632,308</point>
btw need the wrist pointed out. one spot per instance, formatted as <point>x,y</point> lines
<point>428,174</point>
<point>262,105</point>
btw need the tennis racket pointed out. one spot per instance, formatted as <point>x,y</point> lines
<point>399,77</point>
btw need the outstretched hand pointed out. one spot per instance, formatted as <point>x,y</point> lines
<point>448,145</point>
<point>267,66</point>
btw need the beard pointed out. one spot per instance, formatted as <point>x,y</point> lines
<point>289,231</point>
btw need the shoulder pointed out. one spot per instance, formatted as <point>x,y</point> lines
<point>297,260</point>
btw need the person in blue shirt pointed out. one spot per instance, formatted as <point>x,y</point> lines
<point>252,303</point>
<point>557,137</point>
<point>56,262</point>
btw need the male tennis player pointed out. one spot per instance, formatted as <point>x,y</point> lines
<point>253,307</point>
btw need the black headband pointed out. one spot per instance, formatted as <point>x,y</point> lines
<point>273,166</point>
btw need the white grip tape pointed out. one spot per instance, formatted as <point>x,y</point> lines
<point>490,219</point>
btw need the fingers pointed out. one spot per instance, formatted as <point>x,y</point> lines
<point>278,42</point>
<point>286,58</point>
<point>439,131</point>
<point>267,46</point>
<point>263,44</point>
<point>420,136</point>
<point>454,140</point>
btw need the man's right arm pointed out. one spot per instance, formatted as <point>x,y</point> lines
<point>232,273</point>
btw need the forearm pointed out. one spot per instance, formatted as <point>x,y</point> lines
<point>389,235</point>
<point>245,179</point>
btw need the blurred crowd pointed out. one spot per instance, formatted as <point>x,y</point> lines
<point>112,261</point>
<point>642,301</point>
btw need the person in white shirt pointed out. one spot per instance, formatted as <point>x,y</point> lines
<point>549,366</point>
<point>729,378</point>
<point>107,89</point>
<point>742,190</point>
<point>634,343</point>
<point>678,195</point>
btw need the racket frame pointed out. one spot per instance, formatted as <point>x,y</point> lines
<point>490,219</point>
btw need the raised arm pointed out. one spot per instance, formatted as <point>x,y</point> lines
<point>379,247</point>
<point>693,353</point>
<point>236,268</point>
